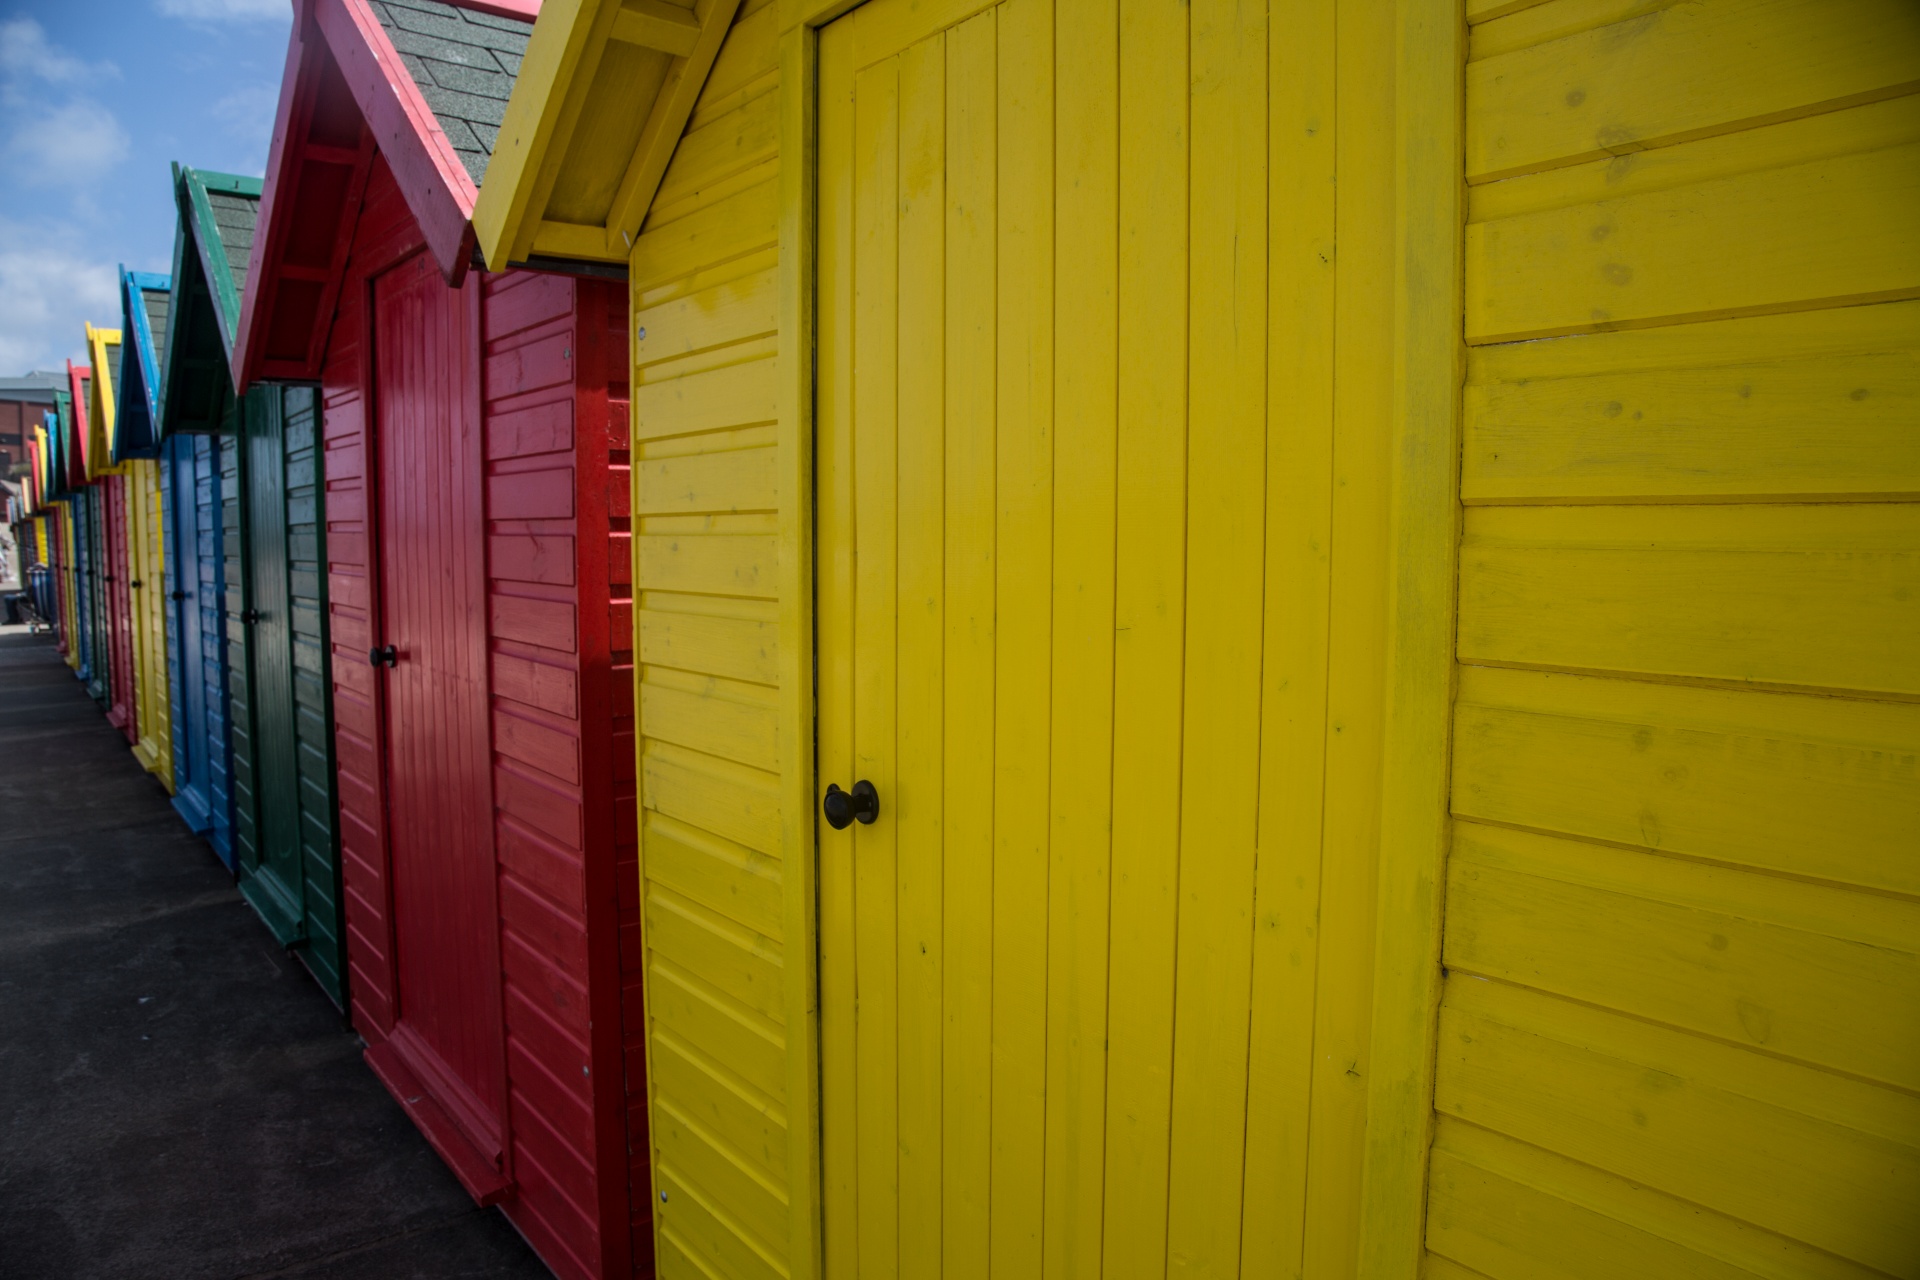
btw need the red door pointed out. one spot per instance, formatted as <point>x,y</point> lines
<point>121,707</point>
<point>432,571</point>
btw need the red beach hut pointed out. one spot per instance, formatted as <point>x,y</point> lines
<point>476,474</point>
<point>117,564</point>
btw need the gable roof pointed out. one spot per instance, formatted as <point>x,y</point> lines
<point>424,82</point>
<point>602,99</point>
<point>102,421</point>
<point>73,463</point>
<point>145,302</point>
<point>211,245</point>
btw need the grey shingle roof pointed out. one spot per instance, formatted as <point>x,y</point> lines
<point>235,215</point>
<point>464,64</point>
<point>159,305</point>
<point>37,387</point>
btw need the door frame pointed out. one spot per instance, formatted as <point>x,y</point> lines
<point>387,257</point>
<point>1423,537</point>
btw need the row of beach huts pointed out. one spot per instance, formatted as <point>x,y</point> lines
<point>1061,637</point>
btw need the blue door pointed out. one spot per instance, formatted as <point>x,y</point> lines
<point>186,667</point>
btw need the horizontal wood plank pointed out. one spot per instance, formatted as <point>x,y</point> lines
<point>1814,787</point>
<point>1800,596</point>
<point>1721,952</point>
<point>1826,233</point>
<point>1663,74</point>
<point>1821,1159</point>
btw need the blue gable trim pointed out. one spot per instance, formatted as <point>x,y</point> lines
<point>137,430</point>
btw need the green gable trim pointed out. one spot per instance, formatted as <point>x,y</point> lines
<point>216,215</point>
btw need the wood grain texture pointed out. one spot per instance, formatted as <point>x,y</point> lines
<point>1679,909</point>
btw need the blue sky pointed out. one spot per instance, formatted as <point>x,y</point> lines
<point>96,97</point>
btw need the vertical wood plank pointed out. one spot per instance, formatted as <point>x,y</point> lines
<point>1226,470</point>
<point>1294,669</point>
<point>876,298</point>
<point>834,631</point>
<point>968,759</point>
<point>918,802</point>
<point>1428,363</point>
<point>1024,540</point>
<point>1149,607</point>
<point>1086,205</point>
<point>799,91</point>
<point>1363,404</point>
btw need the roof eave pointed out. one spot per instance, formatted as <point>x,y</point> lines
<point>425,166</point>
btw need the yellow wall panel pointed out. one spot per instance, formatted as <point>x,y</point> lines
<point>1818,1157</point>
<point>1831,231</point>
<point>729,878</point>
<point>1682,894</point>
<point>1729,955</point>
<point>1809,786</point>
<point>1816,404</point>
<point>1654,74</point>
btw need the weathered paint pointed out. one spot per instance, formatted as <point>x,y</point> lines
<point>1682,934</point>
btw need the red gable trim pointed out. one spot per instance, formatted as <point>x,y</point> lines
<point>79,380</point>
<point>269,241</point>
<point>438,192</point>
<point>431,177</point>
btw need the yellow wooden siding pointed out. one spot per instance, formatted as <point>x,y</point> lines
<point>153,708</point>
<point>1682,932</point>
<point>705,505</point>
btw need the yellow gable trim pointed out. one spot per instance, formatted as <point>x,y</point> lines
<point>100,402</point>
<point>560,89</point>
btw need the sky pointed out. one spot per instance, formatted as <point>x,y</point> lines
<point>96,98</point>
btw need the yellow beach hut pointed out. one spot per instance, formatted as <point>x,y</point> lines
<point>1271,638</point>
<point>145,564</point>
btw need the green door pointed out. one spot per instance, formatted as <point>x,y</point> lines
<point>267,801</point>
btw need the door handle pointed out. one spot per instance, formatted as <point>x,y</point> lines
<point>181,595</point>
<point>383,655</point>
<point>843,808</point>
<point>250,616</point>
<point>136,584</point>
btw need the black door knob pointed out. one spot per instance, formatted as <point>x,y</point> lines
<point>249,616</point>
<point>179,595</point>
<point>383,655</point>
<point>843,808</point>
<point>136,584</point>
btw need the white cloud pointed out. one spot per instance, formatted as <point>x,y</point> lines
<point>72,145</point>
<point>49,289</point>
<point>224,10</point>
<point>25,53</point>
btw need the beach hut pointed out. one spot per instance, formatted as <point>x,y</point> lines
<point>475,468</point>
<point>109,534</point>
<point>265,447</point>
<point>1307,607</point>
<point>134,440</point>
<point>195,406</point>
<point>138,576</point>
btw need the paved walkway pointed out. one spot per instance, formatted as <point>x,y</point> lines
<point>177,1097</point>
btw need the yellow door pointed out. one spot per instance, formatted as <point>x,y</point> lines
<point>155,748</point>
<point>1043,585</point>
<point>1680,1029</point>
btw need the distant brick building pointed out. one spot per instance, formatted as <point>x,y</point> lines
<point>22,402</point>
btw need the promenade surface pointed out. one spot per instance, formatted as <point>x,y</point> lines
<point>177,1097</point>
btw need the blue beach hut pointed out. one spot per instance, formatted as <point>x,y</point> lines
<point>195,406</point>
